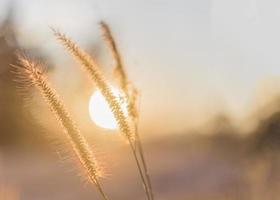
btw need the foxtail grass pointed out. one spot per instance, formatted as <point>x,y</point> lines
<point>131,94</point>
<point>126,86</point>
<point>91,67</point>
<point>119,70</point>
<point>30,72</point>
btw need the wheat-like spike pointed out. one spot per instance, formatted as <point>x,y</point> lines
<point>92,68</point>
<point>119,70</point>
<point>129,90</point>
<point>30,72</point>
<point>131,94</point>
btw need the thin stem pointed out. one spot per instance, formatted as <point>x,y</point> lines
<point>140,170</point>
<point>139,145</point>
<point>102,193</point>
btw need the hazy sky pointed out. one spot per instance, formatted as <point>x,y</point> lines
<point>188,57</point>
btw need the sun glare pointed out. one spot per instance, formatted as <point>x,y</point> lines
<point>100,112</point>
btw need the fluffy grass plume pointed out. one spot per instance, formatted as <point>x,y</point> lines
<point>129,90</point>
<point>119,70</point>
<point>92,68</point>
<point>30,72</point>
<point>131,96</point>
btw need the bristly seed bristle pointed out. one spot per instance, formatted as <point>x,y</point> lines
<point>92,68</point>
<point>132,95</point>
<point>29,72</point>
<point>126,86</point>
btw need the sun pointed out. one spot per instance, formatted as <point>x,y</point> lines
<point>100,112</point>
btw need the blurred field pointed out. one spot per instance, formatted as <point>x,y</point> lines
<point>216,167</point>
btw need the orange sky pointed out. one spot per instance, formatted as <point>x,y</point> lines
<point>190,59</point>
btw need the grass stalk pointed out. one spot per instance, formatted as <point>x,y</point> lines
<point>141,173</point>
<point>143,160</point>
<point>131,95</point>
<point>119,70</point>
<point>92,69</point>
<point>30,72</point>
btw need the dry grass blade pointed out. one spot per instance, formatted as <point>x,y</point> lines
<point>29,71</point>
<point>91,67</point>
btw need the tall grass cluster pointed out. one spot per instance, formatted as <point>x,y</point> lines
<point>30,73</point>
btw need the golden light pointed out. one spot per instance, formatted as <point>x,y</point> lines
<point>100,112</point>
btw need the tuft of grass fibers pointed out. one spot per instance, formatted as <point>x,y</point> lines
<point>131,96</point>
<point>92,69</point>
<point>126,86</point>
<point>30,72</point>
